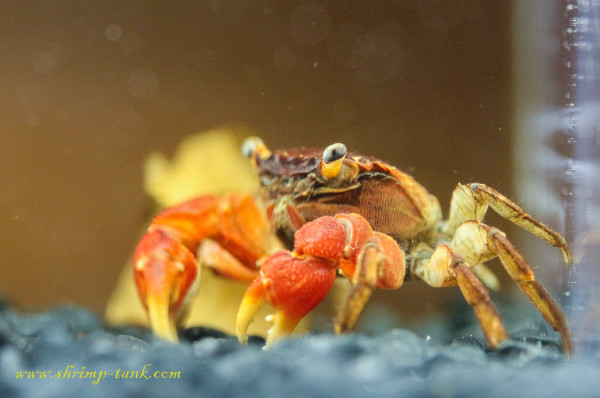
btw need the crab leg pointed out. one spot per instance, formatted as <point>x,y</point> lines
<point>227,234</point>
<point>522,273</point>
<point>444,267</point>
<point>476,241</point>
<point>470,202</point>
<point>364,282</point>
<point>478,298</point>
<point>381,264</point>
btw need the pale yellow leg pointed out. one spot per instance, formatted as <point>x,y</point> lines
<point>478,298</point>
<point>478,242</point>
<point>446,268</point>
<point>470,202</point>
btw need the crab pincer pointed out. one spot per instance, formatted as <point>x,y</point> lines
<point>295,282</point>
<point>293,285</point>
<point>164,273</point>
<point>227,234</point>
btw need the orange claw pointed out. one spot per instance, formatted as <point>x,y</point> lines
<point>227,234</point>
<point>293,285</point>
<point>165,271</point>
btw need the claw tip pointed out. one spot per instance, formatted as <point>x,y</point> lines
<point>254,297</point>
<point>567,256</point>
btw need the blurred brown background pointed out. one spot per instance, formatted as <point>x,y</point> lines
<point>88,89</point>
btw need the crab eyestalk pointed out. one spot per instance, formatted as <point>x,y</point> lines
<point>333,158</point>
<point>254,147</point>
<point>166,274</point>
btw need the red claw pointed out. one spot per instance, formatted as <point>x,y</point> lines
<point>323,237</point>
<point>295,282</point>
<point>293,285</point>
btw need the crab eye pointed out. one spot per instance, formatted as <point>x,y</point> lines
<point>333,158</point>
<point>254,146</point>
<point>334,152</point>
<point>249,146</point>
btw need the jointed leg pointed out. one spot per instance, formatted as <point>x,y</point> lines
<point>363,284</point>
<point>475,240</point>
<point>522,273</point>
<point>478,298</point>
<point>446,268</point>
<point>380,264</point>
<point>212,255</point>
<point>470,202</point>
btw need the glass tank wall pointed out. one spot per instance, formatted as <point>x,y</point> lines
<point>557,136</point>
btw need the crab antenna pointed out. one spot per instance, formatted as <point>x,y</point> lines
<point>254,147</point>
<point>333,158</point>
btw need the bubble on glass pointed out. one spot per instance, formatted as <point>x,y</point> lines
<point>441,15</point>
<point>113,32</point>
<point>33,120</point>
<point>30,94</point>
<point>142,83</point>
<point>348,45</point>
<point>284,59</point>
<point>386,55</point>
<point>19,213</point>
<point>310,23</point>
<point>44,62</point>
<point>131,43</point>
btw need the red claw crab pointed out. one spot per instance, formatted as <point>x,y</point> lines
<point>337,213</point>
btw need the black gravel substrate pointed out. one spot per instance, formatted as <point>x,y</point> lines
<point>68,353</point>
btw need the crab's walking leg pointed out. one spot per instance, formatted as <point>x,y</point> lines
<point>380,263</point>
<point>470,202</point>
<point>475,241</point>
<point>478,298</point>
<point>444,267</point>
<point>364,282</point>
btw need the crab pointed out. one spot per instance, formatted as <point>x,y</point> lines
<point>320,214</point>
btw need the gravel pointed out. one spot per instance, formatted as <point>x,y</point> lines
<point>79,357</point>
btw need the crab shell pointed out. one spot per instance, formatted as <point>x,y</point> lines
<point>297,189</point>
